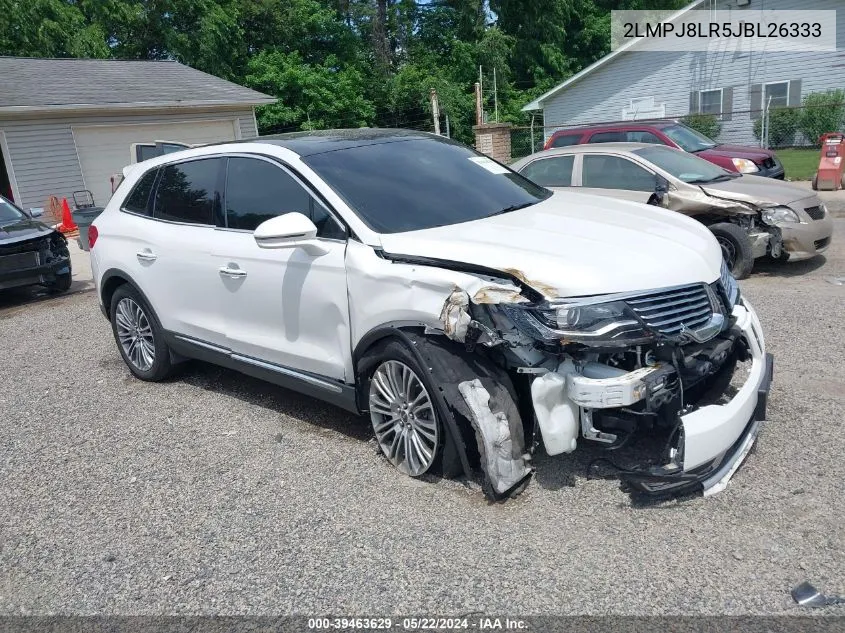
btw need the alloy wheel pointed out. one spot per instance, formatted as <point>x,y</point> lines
<point>403,418</point>
<point>135,334</point>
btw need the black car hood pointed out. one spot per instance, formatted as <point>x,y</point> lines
<point>23,229</point>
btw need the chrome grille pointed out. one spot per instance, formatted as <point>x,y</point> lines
<point>667,311</point>
<point>817,213</point>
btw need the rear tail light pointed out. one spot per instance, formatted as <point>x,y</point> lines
<point>92,236</point>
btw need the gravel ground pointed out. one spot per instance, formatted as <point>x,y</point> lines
<point>215,493</point>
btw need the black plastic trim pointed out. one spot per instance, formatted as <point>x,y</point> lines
<point>765,387</point>
<point>340,394</point>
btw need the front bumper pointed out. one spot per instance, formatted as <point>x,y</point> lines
<point>40,274</point>
<point>719,437</point>
<point>806,240</point>
<point>716,437</point>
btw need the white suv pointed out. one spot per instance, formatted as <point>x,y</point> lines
<point>464,308</point>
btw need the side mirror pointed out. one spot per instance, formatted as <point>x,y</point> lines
<point>661,188</point>
<point>36,212</point>
<point>290,230</point>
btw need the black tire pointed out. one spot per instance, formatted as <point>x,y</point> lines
<point>736,248</point>
<point>160,367</point>
<point>61,283</point>
<point>815,183</point>
<point>395,350</point>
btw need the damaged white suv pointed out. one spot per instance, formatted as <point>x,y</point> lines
<point>465,309</point>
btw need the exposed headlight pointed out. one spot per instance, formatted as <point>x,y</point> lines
<point>586,321</point>
<point>779,214</point>
<point>745,166</point>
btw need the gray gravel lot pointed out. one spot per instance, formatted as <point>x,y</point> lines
<point>216,493</point>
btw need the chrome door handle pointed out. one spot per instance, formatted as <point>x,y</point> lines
<point>146,256</point>
<point>232,272</point>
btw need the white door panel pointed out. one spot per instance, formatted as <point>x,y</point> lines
<point>104,150</point>
<point>285,306</point>
<point>186,280</point>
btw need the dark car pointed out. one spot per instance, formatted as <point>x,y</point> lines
<point>31,252</point>
<point>738,158</point>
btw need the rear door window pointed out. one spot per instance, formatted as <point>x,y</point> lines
<point>139,200</point>
<point>190,192</point>
<point>565,140</point>
<point>257,190</point>
<point>551,172</point>
<point>643,136</point>
<point>607,137</point>
<point>602,171</point>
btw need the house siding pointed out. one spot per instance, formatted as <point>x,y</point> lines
<point>43,152</point>
<point>670,78</point>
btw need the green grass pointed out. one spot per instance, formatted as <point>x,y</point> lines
<point>799,163</point>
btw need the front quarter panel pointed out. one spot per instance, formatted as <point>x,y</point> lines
<point>383,293</point>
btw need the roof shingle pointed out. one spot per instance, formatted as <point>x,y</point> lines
<point>36,83</point>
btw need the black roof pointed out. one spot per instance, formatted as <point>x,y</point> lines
<point>318,142</point>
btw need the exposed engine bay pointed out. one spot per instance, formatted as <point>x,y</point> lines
<point>598,370</point>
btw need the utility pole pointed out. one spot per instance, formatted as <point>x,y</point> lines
<point>435,111</point>
<point>478,115</point>
<point>495,97</point>
<point>481,93</point>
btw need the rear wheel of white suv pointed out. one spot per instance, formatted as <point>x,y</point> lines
<point>139,336</point>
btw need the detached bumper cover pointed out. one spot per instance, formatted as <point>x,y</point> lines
<point>719,437</point>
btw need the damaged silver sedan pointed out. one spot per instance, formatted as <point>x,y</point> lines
<point>473,315</point>
<point>751,216</point>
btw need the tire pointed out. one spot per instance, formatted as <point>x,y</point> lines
<point>736,248</point>
<point>132,319</point>
<point>815,183</point>
<point>61,283</point>
<point>411,437</point>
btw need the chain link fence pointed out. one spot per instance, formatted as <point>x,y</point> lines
<point>774,127</point>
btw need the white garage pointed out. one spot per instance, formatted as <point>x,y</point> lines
<point>104,150</point>
<point>68,124</point>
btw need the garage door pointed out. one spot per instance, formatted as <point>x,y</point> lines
<point>104,149</point>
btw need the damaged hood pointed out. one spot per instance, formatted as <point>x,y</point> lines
<point>757,190</point>
<point>575,244</point>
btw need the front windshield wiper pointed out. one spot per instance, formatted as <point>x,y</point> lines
<point>513,207</point>
<point>707,181</point>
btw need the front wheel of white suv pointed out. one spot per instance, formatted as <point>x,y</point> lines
<point>138,335</point>
<point>404,414</point>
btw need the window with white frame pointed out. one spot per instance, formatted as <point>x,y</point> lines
<point>711,102</point>
<point>778,93</point>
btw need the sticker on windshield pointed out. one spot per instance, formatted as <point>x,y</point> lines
<point>490,165</point>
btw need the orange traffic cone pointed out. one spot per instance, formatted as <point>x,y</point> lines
<point>67,225</point>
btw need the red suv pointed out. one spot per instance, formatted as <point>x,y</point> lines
<point>746,160</point>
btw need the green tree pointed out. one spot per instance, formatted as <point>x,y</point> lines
<point>822,112</point>
<point>783,123</point>
<point>311,95</point>
<point>707,124</point>
<point>49,28</point>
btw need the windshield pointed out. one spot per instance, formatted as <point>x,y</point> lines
<point>422,183</point>
<point>683,166</point>
<point>9,212</point>
<point>688,139</point>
